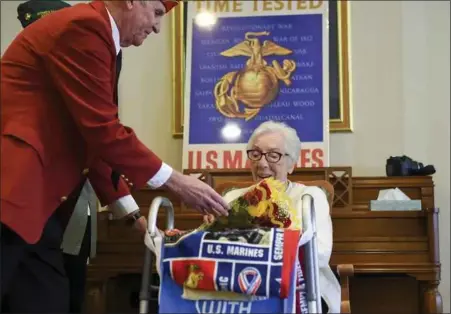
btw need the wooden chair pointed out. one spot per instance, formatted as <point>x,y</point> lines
<point>344,271</point>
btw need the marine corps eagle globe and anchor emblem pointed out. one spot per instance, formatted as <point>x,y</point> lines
<point>195,275</point>
<point>257,84</point>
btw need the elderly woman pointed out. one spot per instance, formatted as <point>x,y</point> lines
<point>273,150</point>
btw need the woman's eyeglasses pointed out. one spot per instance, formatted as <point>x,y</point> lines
<point>272,157</point>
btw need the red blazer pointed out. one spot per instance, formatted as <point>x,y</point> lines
<point>59,119</point>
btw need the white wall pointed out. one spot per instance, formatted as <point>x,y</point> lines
<point>400,91</point>
<point>426,105</point>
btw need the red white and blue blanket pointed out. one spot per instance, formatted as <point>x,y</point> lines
<point>257,269</point>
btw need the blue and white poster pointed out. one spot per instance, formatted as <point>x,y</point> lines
<point>249,62</point>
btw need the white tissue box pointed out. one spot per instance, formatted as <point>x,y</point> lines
<point>395,205</point>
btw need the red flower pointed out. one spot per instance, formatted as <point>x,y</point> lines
<point>253,197</point>
<point>285,219</point>
<point>263,221</point>
<point>264,185</point>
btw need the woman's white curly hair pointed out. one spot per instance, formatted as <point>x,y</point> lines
<point>292,141</point>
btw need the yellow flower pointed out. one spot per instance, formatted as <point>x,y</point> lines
<point>278,196</point>
<point>260,209</point>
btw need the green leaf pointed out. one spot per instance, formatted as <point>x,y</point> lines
<point>238,218</point>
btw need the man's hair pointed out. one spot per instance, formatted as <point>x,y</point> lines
<point>291,139</point>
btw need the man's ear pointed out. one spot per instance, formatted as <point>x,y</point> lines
<point>129,4</point>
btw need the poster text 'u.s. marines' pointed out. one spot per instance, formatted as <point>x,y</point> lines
<point>249,62</point>
<point>236,159</point>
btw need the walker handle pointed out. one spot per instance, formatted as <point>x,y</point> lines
<point>146,286</point>
<point>311,255</point>
<point>153,214</point>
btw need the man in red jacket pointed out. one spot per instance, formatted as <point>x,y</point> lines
<point>80,235</point>
<point>59,127</point>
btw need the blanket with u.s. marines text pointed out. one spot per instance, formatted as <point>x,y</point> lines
<point>233,271</point>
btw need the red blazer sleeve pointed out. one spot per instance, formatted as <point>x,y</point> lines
<point>81,62</point>
<point>100,178</point>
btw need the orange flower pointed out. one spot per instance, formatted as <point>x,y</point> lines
<point>253,197</point>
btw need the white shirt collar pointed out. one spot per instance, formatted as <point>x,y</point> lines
<point>115,33</point>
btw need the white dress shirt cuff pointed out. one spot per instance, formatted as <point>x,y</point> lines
<point>161,177</point>
<point>123,206</point>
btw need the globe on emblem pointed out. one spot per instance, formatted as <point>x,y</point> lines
<point>257,84</point>
<point>255,87</point>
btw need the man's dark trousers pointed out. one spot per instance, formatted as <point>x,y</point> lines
<point>33,277</point>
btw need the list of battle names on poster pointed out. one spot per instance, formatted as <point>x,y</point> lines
<point>300,105</point>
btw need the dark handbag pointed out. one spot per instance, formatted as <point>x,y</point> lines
<point>406,166</point>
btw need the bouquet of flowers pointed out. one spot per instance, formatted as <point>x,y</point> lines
<point>265,204</point>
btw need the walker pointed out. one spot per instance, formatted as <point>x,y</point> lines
<point>312,289</point>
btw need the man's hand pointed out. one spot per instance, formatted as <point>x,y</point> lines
<point>141,225</point>
<point>197,194</point>
<point>209,218</point>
